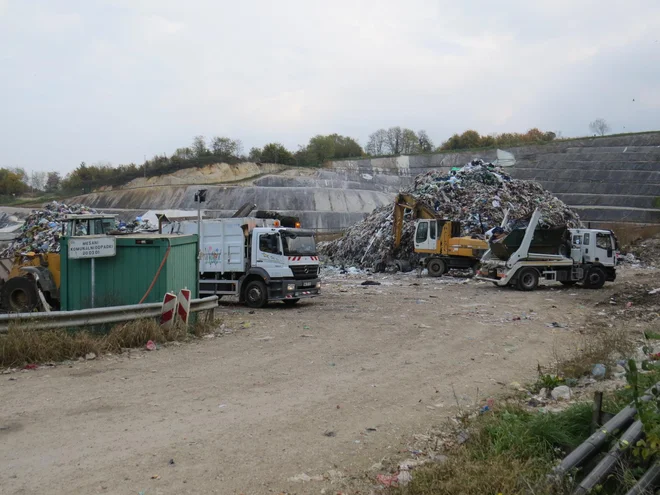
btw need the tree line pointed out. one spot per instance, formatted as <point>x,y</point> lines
<point>320,148</point>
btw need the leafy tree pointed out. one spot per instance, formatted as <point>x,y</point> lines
<point>276,153</point>
<point>472,139</point>
<point>424,141</point>
<point>376,143</point>
<point>224,147</point>
<point>600,127</point>
<point>199,146</point>
<point>38,181</point>
<point>320,149</point>
<point>409,142</point>
<point>255,154</point>
<point>394,140</point>
<point>11,183</point>
<point>53,181</point>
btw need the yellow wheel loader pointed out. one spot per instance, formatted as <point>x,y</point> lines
<point>31,280</point>
<point>438,241</point>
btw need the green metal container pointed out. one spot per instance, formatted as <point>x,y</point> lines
<point>126,277</point>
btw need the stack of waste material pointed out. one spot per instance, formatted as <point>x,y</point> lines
<point>477,195</point>
<point>42,229</point>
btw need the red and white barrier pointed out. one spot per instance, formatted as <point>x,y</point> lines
<point>168,312</point>
<point>183,300</point>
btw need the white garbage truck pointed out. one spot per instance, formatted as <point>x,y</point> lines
<point>254,259</point>
<point>585,256</point>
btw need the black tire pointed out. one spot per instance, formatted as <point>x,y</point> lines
<point>595,278</point>
<point>379,267</point>
<point>256,294</point>
<point>568,283</point>
<point>528,279</point>
<point>290,302</point>
<point>403,266</point>
<point>19,295</point>
<point>436,267</point>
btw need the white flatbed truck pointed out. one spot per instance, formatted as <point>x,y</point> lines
<point>254,259</point>
<point>591,262</point>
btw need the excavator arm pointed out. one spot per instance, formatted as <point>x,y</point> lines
<point>405,202</point>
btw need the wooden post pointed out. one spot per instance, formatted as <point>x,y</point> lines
<point>596,411</point>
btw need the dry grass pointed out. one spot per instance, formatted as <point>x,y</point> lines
<point>22,345</point>
<point>602,345</point>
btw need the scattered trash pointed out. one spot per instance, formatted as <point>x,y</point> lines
<point>151,346</point>
<point>654,291</point>
<point>155,477</point>
<point>598,371</point>
<point>555,324</point>
<point>222,406</point>
<point>629,304</point>
<point>330,433</point>
<point>304,478</point>
<point>371,429</point>
<point>370,282</point>
<point>562,392</point>
<point>90,356</point>
<point>463,437</point>
<point>31,366</point>
<point>171,463</point>
<point>388,479</point>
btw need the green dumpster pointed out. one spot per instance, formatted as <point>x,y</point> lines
<point>143,268</point>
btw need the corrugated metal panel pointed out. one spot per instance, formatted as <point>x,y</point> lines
<point>126,277</point>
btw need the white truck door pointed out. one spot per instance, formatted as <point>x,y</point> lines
<point>604,250</point>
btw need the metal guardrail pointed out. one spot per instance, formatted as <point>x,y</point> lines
<point>95,316</point>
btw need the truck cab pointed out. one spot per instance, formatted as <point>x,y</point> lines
<point>286,259</point>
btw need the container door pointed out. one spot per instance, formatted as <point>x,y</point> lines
<point>234,260</point>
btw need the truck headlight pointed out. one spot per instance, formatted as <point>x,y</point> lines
<point>291,287</point>
<point>318,285</point>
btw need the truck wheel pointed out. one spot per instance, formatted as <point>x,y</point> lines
<point>595,278</point>
<point>19,295</point>
<point>436,267</point>
<point>528,279</point>
<point>290,302</point>
<point>256,294</point>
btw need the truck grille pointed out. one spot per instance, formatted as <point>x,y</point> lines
<point>301,272</point>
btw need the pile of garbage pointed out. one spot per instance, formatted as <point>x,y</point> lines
<point>42,229</point>
<point>477,195</point>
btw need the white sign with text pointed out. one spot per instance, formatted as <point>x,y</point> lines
<point>92,247</point>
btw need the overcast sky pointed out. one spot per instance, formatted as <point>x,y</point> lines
<point>114,80</point>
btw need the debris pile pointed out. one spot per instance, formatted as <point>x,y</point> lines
<point>646,251</point>
<point>477,195</point>
<point>42,229</point>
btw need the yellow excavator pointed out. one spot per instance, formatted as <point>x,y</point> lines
<point>438,241</point>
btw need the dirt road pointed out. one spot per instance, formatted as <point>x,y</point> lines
<point>284,391</point>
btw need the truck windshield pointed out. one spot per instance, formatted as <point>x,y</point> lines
<point>296,244</point>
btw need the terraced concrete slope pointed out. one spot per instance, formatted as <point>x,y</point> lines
<point>322,208</point>
<point>609,179</point>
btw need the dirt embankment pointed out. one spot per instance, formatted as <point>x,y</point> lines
<point>218,173</point>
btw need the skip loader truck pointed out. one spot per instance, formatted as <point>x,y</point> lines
<point>584,256</point>
<point>255,259</point>
<point>438,241</point>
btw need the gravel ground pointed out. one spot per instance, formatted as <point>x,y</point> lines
<point>329,387</point>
